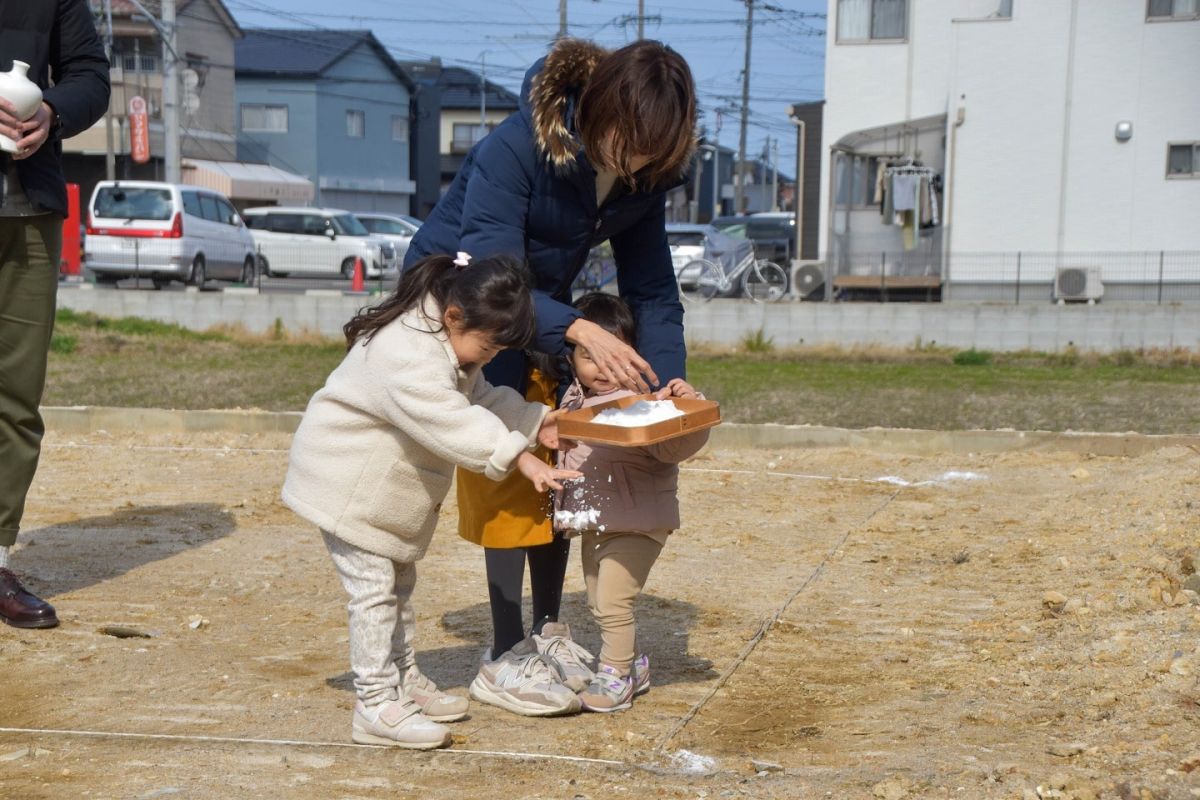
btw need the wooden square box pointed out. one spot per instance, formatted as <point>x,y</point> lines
<point>698,415</point>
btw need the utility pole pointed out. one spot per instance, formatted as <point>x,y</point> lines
<point>562,19</point>
<point>774,174</point>
<point>741,181</point>
<point>170,94</point>
<point>641,19</point>
<point>482,94</point>
<point>110,157</point>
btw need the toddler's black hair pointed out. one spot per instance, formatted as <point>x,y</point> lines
<point>611,313</point>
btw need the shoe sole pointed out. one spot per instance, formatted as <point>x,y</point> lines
<point>41,623</point>
<point>446,717</point>
<point>621,707</point>
<point>362,737</point>
<point>484,694</point>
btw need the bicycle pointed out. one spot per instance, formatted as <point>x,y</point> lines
<point>756,279</point>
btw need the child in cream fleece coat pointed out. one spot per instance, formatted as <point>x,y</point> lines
<point>375,453</point>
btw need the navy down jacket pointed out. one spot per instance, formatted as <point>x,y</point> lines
<point>522,192</point>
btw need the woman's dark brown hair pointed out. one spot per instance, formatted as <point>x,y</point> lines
<point>493,294</point>
<point>643,97</point>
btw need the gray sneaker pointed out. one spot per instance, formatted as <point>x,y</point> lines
<point>608,691</point>
<point>434,703</point>
<point>574,661</point>
<point>398,723</point>
<point>524,682</point>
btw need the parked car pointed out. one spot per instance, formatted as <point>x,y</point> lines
<point>686,242</point>
<point>773,233</point>
<point>731,225</point>
<point>317,241</point>
<point>396,228</point>
<point>165,232</point>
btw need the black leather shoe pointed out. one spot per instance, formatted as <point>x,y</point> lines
<point>21,609</point>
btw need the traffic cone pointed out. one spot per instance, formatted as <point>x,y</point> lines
<point>358,284</point>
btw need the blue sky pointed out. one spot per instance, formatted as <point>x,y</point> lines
<point>787,52</point>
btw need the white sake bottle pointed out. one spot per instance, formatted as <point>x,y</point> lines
<point>23,93</point>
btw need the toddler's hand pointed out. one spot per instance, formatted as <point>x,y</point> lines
<point>677,387</point>
<point>543,476</point>
<point>548,433</point>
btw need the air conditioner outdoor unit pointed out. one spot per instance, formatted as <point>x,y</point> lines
<point>808,278</point>
<point>1078,284</point>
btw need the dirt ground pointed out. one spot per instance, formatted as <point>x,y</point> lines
<point>920,650</point>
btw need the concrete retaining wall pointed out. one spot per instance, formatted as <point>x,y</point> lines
<point>87,419</point>
<point>1042,327</point>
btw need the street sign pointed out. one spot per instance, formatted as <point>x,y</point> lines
<point>139,130</point>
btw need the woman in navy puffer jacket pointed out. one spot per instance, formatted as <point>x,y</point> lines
<point>599,140</point>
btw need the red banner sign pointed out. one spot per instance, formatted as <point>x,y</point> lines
<point>139,130</point>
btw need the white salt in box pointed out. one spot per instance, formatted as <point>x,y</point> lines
<point>581,425</point>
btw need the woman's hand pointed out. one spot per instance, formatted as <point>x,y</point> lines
<point>618,362</point>
<point>677,387</point>
<point>543,476</point>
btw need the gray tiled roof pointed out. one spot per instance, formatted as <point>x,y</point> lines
<point>297,52</point>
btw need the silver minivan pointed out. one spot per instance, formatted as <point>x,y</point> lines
<point>398,229</point>
<point>317,241</point>
<point>166,232</point>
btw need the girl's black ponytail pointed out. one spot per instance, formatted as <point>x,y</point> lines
<point>493,294</point>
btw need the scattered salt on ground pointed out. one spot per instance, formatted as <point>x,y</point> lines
<point>581,520</point>
<point>687,761</point>
<point>643,412</point>
<point>945,477</point>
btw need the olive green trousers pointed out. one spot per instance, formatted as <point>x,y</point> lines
<point>29,251</point>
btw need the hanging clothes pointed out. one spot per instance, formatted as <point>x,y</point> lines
<point>906,187</point>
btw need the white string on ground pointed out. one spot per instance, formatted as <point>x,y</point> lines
<point>766,625</point>
<point>178,737</point>
<point>165,448</point>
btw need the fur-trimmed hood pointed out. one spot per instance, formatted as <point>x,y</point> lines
<point>552,88</point>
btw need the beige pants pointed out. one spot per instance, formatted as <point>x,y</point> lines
<point>615,567</point>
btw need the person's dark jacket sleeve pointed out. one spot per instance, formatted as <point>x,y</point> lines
<point>80,92</point>
<point>646,279</point>
<point>495,207</point>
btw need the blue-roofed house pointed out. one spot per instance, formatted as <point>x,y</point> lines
<point>331,105</point>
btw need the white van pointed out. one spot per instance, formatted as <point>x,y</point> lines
<point>166,232</point>
<point>317,241</point>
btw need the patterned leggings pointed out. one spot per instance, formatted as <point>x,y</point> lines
<point>382,623</point>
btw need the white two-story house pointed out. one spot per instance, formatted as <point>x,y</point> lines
<point>1066,131</point>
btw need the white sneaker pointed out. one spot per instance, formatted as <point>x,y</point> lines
<point>397,723</point>
<point>574,661</point>
<point>524,682</point>
<point>433,702</point>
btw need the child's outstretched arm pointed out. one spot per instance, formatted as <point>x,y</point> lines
<point>427,404</point>
<point>543,476</point>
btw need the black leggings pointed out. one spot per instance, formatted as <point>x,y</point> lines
<point>506,576</point>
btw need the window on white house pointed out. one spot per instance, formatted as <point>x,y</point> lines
<point>984,9</point>
<point>466,135</point>
<point>1173,9</point>
<point>1183,160</point>
<point>399,129</point>
<point>857,179</point>
<point>356,124</point>
<point>258,118</point>
<point>867,20</point>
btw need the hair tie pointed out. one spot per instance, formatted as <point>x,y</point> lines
<point>463,260</point>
